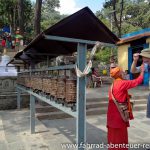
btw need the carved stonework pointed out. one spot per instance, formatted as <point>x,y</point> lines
<point>7,84</point>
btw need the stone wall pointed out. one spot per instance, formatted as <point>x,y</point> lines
<point>8,94</point>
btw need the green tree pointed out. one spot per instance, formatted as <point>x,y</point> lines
<point>11,13</point>
<point>49,15</point>
<point>43,11</point>
<point>21,15</point>
<point>135,15</point>
<point>37,17</point>
<point>104,54</point>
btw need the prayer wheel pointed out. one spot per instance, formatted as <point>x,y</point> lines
<point>61,88</point>
<point>54,87</point>
<point>47,85</point>
<point>44,85</point>
<point>32,82</point>
<point>39,83</point>
<point>70,90</point>
<point>27,82</point>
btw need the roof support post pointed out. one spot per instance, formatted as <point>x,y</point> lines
<point>18,98</point>
<point>81,97</point>
<point>32,114</point>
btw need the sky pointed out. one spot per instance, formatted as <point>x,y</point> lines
<point>71,6</point>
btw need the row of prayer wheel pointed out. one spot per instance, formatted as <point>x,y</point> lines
<point>59,88</point>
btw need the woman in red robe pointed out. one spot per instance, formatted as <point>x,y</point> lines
<point>117,127</point>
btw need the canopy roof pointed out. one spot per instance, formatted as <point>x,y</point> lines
<point>80,25</point>
<point>128,38</point>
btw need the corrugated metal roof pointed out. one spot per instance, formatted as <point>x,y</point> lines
<point>128,40</point>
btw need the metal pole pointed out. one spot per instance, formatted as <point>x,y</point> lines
<point>18,98</point>
<point>111,21</point>
<point>32,114</point>
<point>81,97</point>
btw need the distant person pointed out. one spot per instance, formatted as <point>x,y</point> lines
<point>119,107</point>
<point>3,43</point>
<point>126,75</point>
<point>96,77</point>
<point>95,72</point>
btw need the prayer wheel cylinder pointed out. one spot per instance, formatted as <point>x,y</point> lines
<point>70,90</point>
<point>40,83</point>
<point>61,88</point>
<point>54,87</point>
<point>34,82</point>
<point>47,85</point>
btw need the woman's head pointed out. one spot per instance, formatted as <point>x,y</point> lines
<point>145,56</point>
<point>146,60</point>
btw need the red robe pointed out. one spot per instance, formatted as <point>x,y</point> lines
<point>117,128</point>
<point>3,43</point>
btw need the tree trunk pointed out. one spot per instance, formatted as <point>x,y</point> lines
<point>21,15</point>
<point>118,23</point>
<point>37,17</point>
<point>121,13</point>
<point>115,17</point>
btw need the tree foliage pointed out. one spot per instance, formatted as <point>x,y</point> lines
<point>21,13</point>
<point>135,15</point>
<point>10,13</point>
<point>49,15</point>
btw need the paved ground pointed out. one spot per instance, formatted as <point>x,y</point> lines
<point>15,131</point>
<point>15,128</point>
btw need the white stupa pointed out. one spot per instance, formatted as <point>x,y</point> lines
<point>4,70</point>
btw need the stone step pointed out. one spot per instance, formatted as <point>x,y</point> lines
<point>106,98</point>
<point>90,111</point>
<point>90,104</point>
<point>139,107</point>
<point>103,110</point>
<point>94,106</point>
<point>139,101</point>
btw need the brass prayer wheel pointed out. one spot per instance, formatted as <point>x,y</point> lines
<point>39,83</point>
<point>54,87</point>
<point>34,82</point>
<point>70,90</point>
<point>47,85</point>
<point>61,88</point>
<point>27,82</point>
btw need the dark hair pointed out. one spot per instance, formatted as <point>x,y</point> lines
<point>92,69</point>
<point>4,38</point>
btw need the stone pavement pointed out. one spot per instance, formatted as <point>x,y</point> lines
<point>15,131</point>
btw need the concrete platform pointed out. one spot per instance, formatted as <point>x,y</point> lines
<point>50,134</point>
